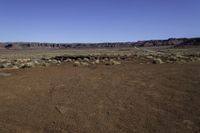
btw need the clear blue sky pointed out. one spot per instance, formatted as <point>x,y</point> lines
<point>98,20</point>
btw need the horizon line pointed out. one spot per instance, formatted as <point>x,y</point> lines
<point>99,42</point>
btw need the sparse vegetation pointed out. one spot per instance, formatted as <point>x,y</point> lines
<point>118,89</point>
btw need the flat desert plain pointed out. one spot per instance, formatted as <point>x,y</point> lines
<point>131,97</point>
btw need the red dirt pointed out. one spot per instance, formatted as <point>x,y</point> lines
<point>102,99</point>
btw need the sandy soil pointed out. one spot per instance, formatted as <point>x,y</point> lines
<point>127,98</point>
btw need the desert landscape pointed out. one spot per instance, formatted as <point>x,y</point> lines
<point>131,87</point>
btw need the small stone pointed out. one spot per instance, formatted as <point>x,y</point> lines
<point>27,65</point>
<point>93,63</point>
<point>68,60</point>
<point>59,62</point>
<point>79,59</point>
<point>49,60</point>
<point>15,67</point>
<point>45,64</point>
<point>62,109</point>
<point>119,58</point>
<point>108,63</point>
<point>84,64</point>
<point>77,63</point>
<point>158,61</point>
<point>25,60</point>
<point>106,59</point>
<point>149,57</point>
<point>86,60</point>
<point>19,61</point>
<point>36,62</point>
<point>97,61</point>
<point>53,61</point>
<point>114,62</point>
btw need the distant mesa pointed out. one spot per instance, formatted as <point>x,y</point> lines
<point>172,42</point>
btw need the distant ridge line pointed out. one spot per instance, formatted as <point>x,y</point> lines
<point>172,42</point>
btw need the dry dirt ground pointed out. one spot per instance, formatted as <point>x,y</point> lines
<point>127,98</point>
